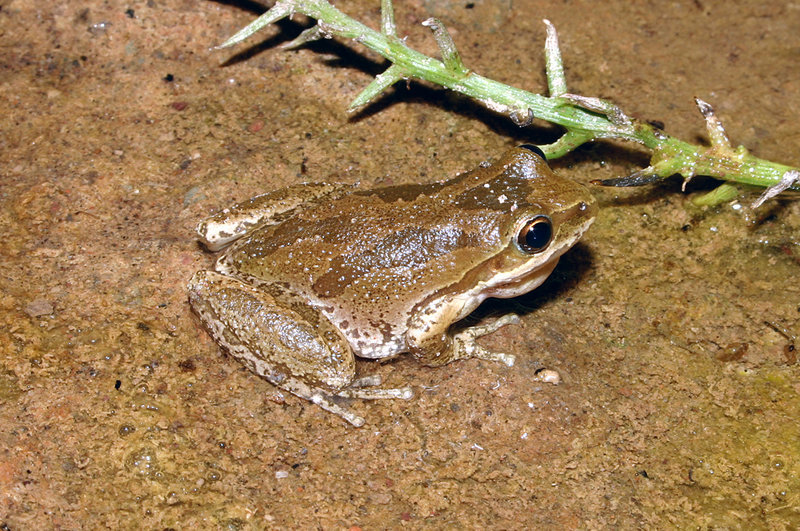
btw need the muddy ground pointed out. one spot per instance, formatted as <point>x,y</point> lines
<point>670,325</point>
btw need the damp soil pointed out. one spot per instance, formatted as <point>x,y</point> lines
<point>671,326</point>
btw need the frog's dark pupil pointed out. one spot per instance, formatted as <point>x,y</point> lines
<point>536,234</point>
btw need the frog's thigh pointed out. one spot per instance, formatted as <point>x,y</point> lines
<point>291,345</point>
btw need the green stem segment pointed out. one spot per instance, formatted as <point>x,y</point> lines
<point>584,118</point>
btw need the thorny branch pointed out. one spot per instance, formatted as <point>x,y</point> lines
<point>584,119</point>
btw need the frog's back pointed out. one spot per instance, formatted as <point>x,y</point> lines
<point>360,239</point>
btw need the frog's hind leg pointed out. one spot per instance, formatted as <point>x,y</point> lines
<point>282,339</point>
<point>357,390</point>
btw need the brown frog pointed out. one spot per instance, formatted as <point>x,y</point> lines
<point>318,274</point>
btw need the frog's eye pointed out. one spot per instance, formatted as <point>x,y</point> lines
<point>534,149</point>
<point>535,235</point>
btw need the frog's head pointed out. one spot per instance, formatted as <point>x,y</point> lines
<point>540,215</point>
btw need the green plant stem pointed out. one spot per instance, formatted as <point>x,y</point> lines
<point>584,118</point>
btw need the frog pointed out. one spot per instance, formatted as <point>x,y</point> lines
<point>314,276</point>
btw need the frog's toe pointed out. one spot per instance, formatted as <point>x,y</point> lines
<point>494,326</point>
<point>371,380</point>
<point>364,388</point>
<point>404,393</point>
<point>473,350</point>
<point>468,348</point>
<point>323,402</point>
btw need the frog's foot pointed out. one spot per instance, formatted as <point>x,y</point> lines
<point>358,389</point>
<point>466,347</point>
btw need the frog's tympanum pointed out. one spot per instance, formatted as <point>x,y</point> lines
<point>321,273</point>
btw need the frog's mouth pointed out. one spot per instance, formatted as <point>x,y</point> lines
<point>514,286</point>
<point>525,283</point>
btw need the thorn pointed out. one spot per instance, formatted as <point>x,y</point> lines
<point>566,143</point>
<point>638,178</point>
<point>603,107</point>
<point>788,179</point>
<point>554,66</point>
<point>716,132</point>
<point>281,9</point>
<point>389,77</point>
<point>388,26</point>
<point>310,35</point>
<point>450,56</point>
<point>720,194</point>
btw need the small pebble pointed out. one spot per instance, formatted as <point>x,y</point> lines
<point>548,376</point>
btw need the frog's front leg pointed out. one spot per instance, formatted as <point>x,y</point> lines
<point>465,341</point>
<point>284,340</point>
<point>232,223</point>
<point>431,343</point>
